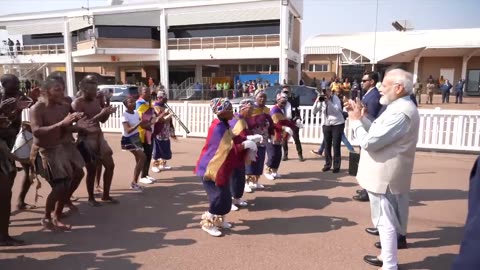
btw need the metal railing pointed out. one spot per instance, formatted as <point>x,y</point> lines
<point>224,42</point>
<point>32,49</point>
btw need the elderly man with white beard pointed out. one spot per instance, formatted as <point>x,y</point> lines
<point>386,161</point>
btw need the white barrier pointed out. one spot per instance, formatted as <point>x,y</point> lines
<point>456,130</point>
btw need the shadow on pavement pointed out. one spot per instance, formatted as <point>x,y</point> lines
<point>288,203</point>
<point>310,185</point>
<point>293,225</point>
<point>417,196</point>
<point>440,262</point>
<point>71,262</point>
<point>137,224</point>
<point>442,236</point>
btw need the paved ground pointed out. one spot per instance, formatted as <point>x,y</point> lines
<point>305,221</point>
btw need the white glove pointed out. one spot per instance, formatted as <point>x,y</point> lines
<point>255,138</point>
<point>299,123</point>
<point>288,130</point>
<point>249,145</point>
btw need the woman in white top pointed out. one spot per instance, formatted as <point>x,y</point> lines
<point>131,139</point>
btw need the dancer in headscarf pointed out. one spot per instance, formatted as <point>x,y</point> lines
<point>283,129</point>
<point>219,156</point>
<point>162,131</point>
<point>242,132</point>
<point>260,123</point>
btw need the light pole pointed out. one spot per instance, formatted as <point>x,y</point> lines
<point>375,40</point>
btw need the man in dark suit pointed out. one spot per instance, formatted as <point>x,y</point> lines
<point>371,101</point>
<point>294,115</point>
<point>468,258</point>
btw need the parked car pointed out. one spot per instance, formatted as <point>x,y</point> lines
<point>307,94</point>
<point>119,92</point>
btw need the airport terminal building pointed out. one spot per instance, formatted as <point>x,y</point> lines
<point>451,53</point>
<point>182,41</point>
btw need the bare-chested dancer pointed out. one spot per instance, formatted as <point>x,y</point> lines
<point>52,127</point>
<point>95,148</point>
<point>11,106</point>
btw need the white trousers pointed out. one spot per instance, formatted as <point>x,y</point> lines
<point>388,235</point>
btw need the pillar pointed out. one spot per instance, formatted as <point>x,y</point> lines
<point>283,60</point>
<point>164,51</point>
<point>117,74</point>
<point>299,72</point>
<point>464,66</point>
<point>198,73</point>
<point>415,68</point>
<point>70,74</point>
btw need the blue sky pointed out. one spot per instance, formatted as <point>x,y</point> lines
<point>334,16</point>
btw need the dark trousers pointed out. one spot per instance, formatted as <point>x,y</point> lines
<point>296,139</point>
<point>459,97</point>
<point>6,184</point>
<point>274,153</point>
<point>147,149</point>
<point>445,96</point>
<point>333,138</point>
<point>237,182</point>
<point>25,185</point>
<point>219,198</point>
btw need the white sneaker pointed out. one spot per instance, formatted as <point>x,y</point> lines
<point>276,175</point>
<point>226,225</point>
<point>151,179</point>
<point>234,207</point>
<point>213,231</point>
<point>145,180</point>
<point>260,186</point>
<point>268,176</point>
<point>136,187</point>
<point>164,168</point>
<point>155,169</point>
<point>247,189</point>
<point>252,185</point>
<point>240,202</point>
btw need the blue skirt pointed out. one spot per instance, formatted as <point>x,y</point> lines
<point>161,149</point>
<point>256,168</point>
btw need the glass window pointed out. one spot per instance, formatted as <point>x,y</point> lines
<point>251,68</point>
<point>258,68</point>
<point>266,68</point>
<point>318,68</point>
<point>274,68</point>
<point>311,67</point>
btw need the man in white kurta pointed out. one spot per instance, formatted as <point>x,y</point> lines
<point>386,161</point>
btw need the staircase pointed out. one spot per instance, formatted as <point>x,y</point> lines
<point>182,91</point>
<point>25,71</point>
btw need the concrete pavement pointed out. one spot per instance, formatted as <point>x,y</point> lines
<point>307,220</point>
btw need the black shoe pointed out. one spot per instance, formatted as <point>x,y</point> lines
<point>337,170</point>
<point>372,231</point>
<point>401,243</point>
<point>373,260</point>
<point>362,197</point>
<point>300,157</point>
<point>359,191</point>
<point>285,158</point>
<point>10,242</point>
<point>324,169</point>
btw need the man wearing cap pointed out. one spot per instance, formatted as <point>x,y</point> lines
<point>292,112</point>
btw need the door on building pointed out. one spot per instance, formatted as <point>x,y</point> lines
<point>448,74</point>
<point>473,83</point>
